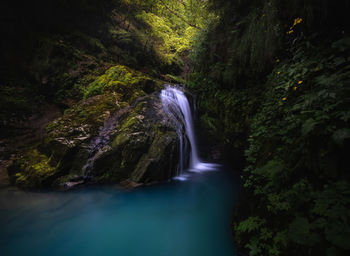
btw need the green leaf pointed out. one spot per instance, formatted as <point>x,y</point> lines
<point>308,126</point>
<point>299,230</point>
<point>340,135</point>
<point>339,235</point>
<point>249,225</point>
<point>342,44</point>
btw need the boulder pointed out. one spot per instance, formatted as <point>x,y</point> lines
<point>143,149</point>
<point>106,138</point>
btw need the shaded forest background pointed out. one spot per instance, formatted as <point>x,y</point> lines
<point>51,50</point>
<point>272,80</point>
<point>273,84</point>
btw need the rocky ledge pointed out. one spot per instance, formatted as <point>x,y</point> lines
<point>118,134</point>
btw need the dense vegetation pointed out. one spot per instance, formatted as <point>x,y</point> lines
<point>52,50</point>
<point>272,79</point>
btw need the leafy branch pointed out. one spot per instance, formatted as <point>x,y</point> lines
<point>179,16</point>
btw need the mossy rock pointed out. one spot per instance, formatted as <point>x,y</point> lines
<point>124,81</point>
<point>64,148</point>
<point>33,170</point>
<point>159,162</point>
<point>86,117</point>
<point>140,144</point>
<point>144,148</point>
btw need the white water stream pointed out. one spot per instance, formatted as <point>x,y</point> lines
<point>178,109</point>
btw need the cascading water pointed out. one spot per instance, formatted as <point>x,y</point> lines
<point>178,109</point>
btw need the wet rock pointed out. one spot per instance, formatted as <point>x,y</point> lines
<point>144,147</point>
<point>72,184</point>
<point>106,139</point>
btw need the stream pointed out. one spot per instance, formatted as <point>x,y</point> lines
<point>179,218</point>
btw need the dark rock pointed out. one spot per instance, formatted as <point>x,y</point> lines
<point>105,140</point>
<point>144,147</point>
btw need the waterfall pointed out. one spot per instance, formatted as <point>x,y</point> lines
<point>178,109</point>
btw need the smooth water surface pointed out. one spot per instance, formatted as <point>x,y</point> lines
<point>180,218</point>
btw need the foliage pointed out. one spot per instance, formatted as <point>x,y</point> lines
<point>244,38</point>
<point>273,78</point>
<point>250,45</point>
<point>225,114</point>
<point>296,159</point>
<point>53,50</point>
<point>172,26</point>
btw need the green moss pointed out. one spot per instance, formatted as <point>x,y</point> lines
<point>123,80</point>
<point>140,144</point>
<point>121,139</point>
<point>86,117</point>
<point>63,143</point>
<point>156,158</point>
<point>131,123</point>
<point>174,79</point>
<point>34,170</point>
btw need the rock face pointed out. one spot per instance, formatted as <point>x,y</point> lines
<point>105,138</point>
<point>143,149</point>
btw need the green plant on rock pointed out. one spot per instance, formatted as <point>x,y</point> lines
<point>124,81</point>
<point>296,163</point>
<point>33,170</point>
